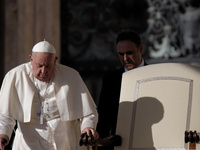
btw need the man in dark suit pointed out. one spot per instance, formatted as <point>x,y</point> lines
<point>129,48</point>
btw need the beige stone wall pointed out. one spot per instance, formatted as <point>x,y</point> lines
<point>26,23</point>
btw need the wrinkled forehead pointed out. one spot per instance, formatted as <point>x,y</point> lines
<point>39,57</point>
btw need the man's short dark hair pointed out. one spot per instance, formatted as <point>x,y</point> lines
<point>128,34</point>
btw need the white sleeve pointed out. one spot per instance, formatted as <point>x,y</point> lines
<point>7,125</point>
<point>89,121</point>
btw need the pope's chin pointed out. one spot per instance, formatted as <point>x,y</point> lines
<point>44,79</point>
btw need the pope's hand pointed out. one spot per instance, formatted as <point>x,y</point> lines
<point>89,130</point>
<point>4,140</point>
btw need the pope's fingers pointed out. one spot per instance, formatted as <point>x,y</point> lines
<point>95,133</point>
<point>92,131</point>
<point>2,144</point>
<point>87,131</point>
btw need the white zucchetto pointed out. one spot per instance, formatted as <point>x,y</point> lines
<point>44,47</point>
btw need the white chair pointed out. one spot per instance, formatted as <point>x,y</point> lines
<point>158,103</point>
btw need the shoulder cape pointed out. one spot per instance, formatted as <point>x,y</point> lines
<point>72,96</point>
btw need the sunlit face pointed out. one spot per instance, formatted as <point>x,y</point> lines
<point>43,65</point>
<point>129,54</point>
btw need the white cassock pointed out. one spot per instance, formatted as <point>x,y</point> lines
<point>49,127</point>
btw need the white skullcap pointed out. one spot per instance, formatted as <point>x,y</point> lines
<point>44,47</point>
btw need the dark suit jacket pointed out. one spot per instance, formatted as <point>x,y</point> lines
<point>108,105</point>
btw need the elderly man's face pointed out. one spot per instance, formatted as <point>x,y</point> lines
<point>43,65</point>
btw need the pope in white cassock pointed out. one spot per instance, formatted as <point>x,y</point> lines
<point>49,101</point>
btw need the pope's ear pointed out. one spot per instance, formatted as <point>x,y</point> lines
<point>56,58</point>
<point>30,57</point>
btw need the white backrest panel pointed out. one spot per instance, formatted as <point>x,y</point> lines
<point>158,103</point>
